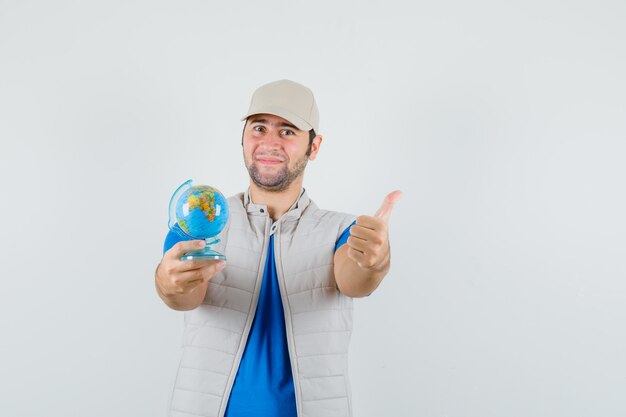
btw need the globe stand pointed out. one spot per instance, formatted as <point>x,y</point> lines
<point>205,253</point>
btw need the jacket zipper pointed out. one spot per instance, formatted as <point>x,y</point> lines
<point>248,326</point>
<point>287,313</point>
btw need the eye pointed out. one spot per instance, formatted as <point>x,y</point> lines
<point>258,128</point>
<point>287,132</point>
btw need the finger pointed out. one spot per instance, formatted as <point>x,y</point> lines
<point>362,260</point>
<point>185,278</point>
<point>181,248</point>
<point>207,272</point>
<point>178,277</point>
<point>189,286</point>
<point>365,233</point>
<point>373,249</point>
<point>193,265</point>
<point>358,244</point>
<point>385,209</point>
<point>370,222</point>
<point>356,256</point>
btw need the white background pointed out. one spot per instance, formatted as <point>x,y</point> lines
<point>503,123</point>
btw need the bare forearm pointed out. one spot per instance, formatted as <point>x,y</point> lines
<point>355,281</point>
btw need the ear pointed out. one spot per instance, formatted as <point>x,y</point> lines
<point>315,146</point>
<point>245,124</point>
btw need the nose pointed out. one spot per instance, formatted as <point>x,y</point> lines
<point>271,140</point>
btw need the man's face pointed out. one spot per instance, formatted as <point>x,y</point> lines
<point>275,151</point>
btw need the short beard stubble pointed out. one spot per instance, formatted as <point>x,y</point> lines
<point>281,180</point>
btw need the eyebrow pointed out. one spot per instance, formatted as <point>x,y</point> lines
<point>264,121</point>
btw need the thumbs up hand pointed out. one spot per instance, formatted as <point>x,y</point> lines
<point>368,244</point>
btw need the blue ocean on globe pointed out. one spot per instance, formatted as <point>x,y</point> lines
<point>202,212</point>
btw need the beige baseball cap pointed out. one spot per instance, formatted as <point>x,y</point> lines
<point>289,100</point>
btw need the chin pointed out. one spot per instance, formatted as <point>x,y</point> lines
<point>268,185</point>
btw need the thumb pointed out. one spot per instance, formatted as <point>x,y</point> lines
<point>184,246</point>
<point>384,212</point>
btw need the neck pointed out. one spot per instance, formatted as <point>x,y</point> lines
<point>277,202</point>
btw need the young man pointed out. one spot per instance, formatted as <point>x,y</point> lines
<point>267,332</point>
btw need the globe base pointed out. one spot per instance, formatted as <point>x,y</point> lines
<point>203,254</point>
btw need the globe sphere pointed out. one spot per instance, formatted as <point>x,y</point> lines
<point>201,211</point>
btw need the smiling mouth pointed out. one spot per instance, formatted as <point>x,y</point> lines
<point>268,161</point>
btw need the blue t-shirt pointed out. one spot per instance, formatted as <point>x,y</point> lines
<point>263,386</point>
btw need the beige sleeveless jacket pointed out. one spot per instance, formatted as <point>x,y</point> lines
<point>318,318</point>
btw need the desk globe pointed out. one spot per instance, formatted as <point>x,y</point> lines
<point>198,212</point>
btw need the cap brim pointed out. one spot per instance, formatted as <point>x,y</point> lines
<point>280,112</point>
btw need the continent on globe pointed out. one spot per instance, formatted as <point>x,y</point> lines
<point>206,201</point>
